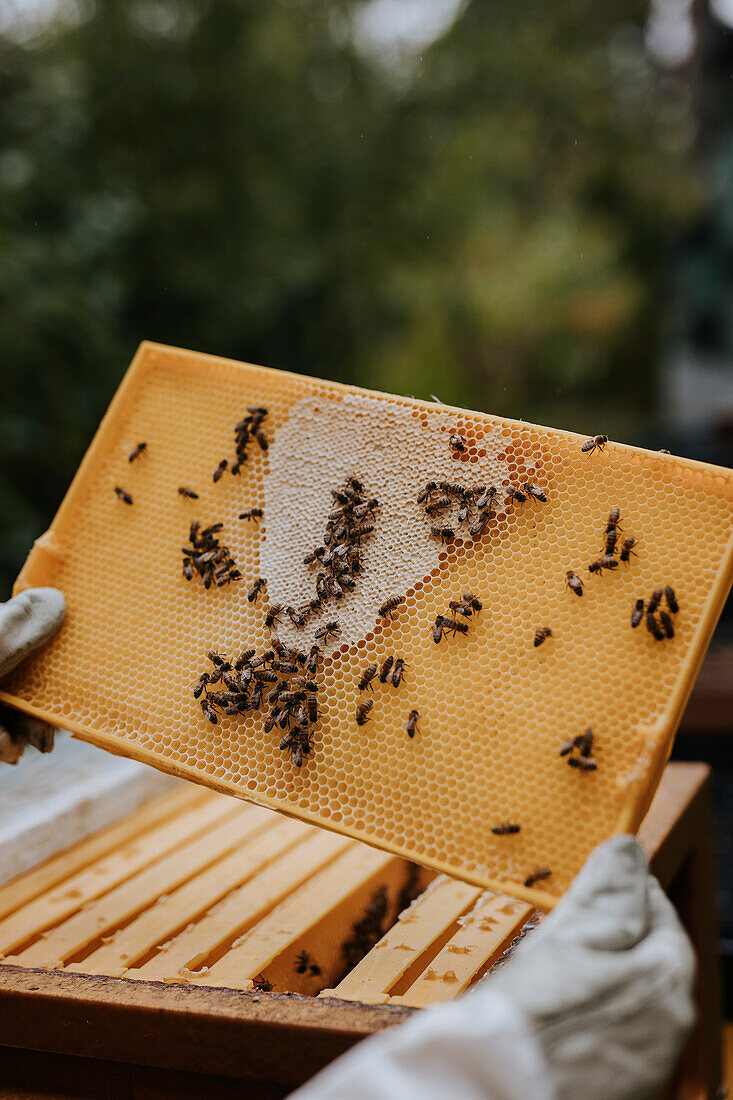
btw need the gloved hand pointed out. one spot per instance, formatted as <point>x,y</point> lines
<point>606,981</point>
<point>27,621</point>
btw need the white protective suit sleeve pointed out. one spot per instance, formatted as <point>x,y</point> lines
<point>27,621</point>
<point>595,1003</point>
<point>477,1047</point>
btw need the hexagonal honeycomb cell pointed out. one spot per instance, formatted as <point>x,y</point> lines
<point>494,708</point>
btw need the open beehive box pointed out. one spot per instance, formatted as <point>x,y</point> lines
<point>493,707</point>
<point>197,888</point>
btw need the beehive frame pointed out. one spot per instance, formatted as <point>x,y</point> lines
<point>121,671</point>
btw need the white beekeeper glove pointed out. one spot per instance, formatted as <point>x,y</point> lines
<point>606,981</point>
<point>27,621</point>
<point>596,1003</point>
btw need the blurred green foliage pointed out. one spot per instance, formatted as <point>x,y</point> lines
<point>489,223</point>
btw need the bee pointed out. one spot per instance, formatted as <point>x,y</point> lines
<point>442,533</point>
<point>654,601</point>
<point>438,506</point>
<point>333,586</point>
<point>255,590</point>
<point>123,495</point>
<point>252,513</point>
<point>584,742</point>
<point>666,621</point>
<point>454,625</point>
<point>297,618</point>
<point>613,517</point>
<point>386,669</point>
<point>265,676</point>
<point>187,568</point>
<point>429,488</point>
<point>312,660</point>
<point>653,626</point>
<point>604,562</point>
<point>583,763</point>
<point>398,672</point>
<point>535,492</point>
<point>471,603</point>
<point>330,630</point>
<point>362,712</point>
<point>463,513</point>
<point>189,494</point>
<point>438,629</point>
<point>261,439</point>
<point>261,984</point>
<point>627,548</point>
<point>302,962</point>
<point>136,451</point>
<point>487,498</point>
<point>193,531</point>
<point>513,493</point>
<point>369,508</point>
<point>664,451</point>
<point>385,611</point>
<point>209,712</point>
<point>568,746</point>
<point>457,443</point>
<point>348,582</point>
<point>611,540</point>
<point>356,485</point>
<point>366,678</point>
<point>281,665</point>
<point>573,582</point>
<point>218,472</point>
<point>594,441</point>
<point>200,684</point>
<point>411,724</point>
<point>537,876</point>
<point>312,705</point>
<point>273,615</point>
<point>671,599</point>
<point>479,525</point>
<point>358,533</point>
<point>505,829</point>
<point>243,658</point>
<point>315,555</point>
<point>541,634</point>
<point>637,613</point>
<point>452,488</point>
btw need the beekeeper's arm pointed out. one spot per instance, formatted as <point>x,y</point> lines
<point>26,622</point>
<point>594,1005</point>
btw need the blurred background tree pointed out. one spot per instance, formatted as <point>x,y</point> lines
<point>487,218</point>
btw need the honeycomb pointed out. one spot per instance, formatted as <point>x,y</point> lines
<point>494,708</point>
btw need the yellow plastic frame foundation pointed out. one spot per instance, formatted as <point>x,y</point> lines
<point>494,708</point>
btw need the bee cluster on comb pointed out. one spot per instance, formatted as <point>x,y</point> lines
<point>207,557</point>
<point>339,557</point>
<point>282,678</point>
